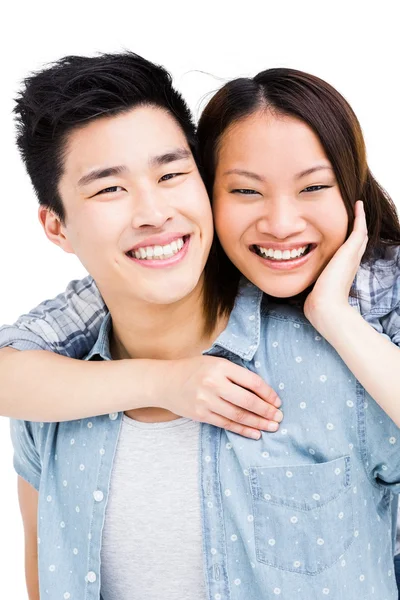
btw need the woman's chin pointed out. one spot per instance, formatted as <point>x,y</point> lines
<point>283,287</point>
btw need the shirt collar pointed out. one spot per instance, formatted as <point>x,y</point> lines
<point>242,334</point>
<point>101,349</point>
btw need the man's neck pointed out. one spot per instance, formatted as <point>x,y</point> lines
<point>161,332</point>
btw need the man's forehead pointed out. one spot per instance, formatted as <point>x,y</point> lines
<point>115,142</point>
<point>140,120</point>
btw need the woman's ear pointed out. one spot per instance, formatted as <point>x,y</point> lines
<point>54,228</point>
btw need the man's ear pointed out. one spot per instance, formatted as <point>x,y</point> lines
<point>54,228</point>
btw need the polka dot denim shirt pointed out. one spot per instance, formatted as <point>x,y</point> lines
<point>307,512</point>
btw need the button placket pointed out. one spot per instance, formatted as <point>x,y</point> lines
<point>214,534</point>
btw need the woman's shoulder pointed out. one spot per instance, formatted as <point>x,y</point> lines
<point>377,283</point>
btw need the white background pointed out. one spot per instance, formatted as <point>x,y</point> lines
<point>351,44</point>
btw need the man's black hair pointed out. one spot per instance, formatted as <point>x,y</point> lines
<point>75,90</point>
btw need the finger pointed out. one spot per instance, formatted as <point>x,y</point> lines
<point>360,228</point>
<point>241,416</point>
<point>242,430</point>
<point>244,399</point>
<point>363,248</point>
<point>253,382</point>
<point>360,222</point>
<point>357,240</point>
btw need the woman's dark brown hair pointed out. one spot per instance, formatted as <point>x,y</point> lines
<point>319,105</point>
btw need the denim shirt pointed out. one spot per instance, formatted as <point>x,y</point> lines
<point>304,512</point>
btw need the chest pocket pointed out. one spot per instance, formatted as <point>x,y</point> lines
<point>303,515</point>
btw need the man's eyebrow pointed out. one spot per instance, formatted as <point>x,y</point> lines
<point>101,174</point>
<point>155,161</point>
<point>168,157</point>
<point>245,173</point>
<point>312,170</point>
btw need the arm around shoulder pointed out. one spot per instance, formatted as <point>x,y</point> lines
<point>37,385</point>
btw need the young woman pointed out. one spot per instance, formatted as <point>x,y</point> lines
<point>300,141</point>
<point>284,158</point>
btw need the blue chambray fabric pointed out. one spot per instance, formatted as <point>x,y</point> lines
<point>306,512</point>
<point>70,465</point>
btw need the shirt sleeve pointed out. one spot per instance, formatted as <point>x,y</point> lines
<point>68,324</point>
<point>27,461</point>
<point>379,290</point>
<point>380,443</point>
<point>391,324</point>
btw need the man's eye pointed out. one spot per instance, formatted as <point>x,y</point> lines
<point>110,190</point>
<point>315,188</point>
<point>244,191</point>
<point>169,176</point>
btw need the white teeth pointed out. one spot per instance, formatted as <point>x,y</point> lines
<point>167,250</point>
<point>281,254</point>
<point>159,252</point>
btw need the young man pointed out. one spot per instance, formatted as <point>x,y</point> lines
<point>113,502</point>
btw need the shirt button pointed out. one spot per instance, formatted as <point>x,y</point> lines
<point>113,416</point>
<point>98,495</point>
<point>91,577</point>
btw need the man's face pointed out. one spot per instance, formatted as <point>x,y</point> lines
<point>137,213</point>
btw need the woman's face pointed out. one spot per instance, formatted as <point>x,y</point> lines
<point>277,206</point>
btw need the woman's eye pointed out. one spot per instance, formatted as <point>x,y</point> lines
<point>315,188</point>
<point>169,176</point>
<point>110,190</point>
<point>244,191</point>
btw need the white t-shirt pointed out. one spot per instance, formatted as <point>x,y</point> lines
<point>152,538</point>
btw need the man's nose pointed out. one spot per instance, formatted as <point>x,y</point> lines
<point>150,210</point>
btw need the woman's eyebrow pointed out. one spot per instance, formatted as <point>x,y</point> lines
<point>312,170</point>
<point>249,174</point>
<point>257,177</point>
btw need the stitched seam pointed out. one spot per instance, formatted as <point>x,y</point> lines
<point>362,434</point>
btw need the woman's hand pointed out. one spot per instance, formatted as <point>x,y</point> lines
<point>331,290</point>
<point>216,391</point>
